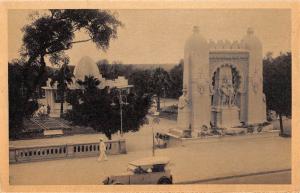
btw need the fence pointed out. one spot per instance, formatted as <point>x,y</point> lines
<point>40,153</point>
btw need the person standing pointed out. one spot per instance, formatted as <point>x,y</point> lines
<point>102,151</point>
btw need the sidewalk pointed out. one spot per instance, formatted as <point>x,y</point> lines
<point>196,161</point>
<point>135,141</point>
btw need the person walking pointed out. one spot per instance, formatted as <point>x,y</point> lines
<point>102,151</point>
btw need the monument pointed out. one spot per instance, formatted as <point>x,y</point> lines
<point>222,83</point>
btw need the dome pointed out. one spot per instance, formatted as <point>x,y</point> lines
<point>250,41</point>
<point>196,42</point>
<point>86,67</point>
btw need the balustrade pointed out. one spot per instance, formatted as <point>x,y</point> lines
<point>39,153</point>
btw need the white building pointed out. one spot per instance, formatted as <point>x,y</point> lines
<point>85,67</point>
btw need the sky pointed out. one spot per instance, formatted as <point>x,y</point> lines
<point>158,36</point>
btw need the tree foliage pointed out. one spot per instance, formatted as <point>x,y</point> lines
<point>48,36</point>
<point>141,79</point>
<point>53,33</point>
<point>92,107</point>
<point>112,71</point>
<point>160,83</point>
<point>277,84</point>
<point>176,78</point>
<point>62,77</point>
<point>19,106</point>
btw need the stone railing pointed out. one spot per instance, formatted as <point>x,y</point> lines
<point>40,153</point>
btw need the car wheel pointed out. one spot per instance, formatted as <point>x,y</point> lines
<point>117,183</point>
<point>164,181</point>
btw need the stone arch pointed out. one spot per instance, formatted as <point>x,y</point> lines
<point>235,68</point>
<point>237,81</point>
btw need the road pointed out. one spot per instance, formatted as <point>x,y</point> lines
<point>191,162</point>
<point>270,177</point>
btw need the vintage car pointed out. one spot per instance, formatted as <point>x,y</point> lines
<point>152,170</point>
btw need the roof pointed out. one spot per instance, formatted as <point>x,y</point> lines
<point>150,161</point>
<point>86,67</point>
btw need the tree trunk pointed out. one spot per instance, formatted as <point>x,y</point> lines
<point>281,124</point>
<point>61,108</point>
<point>62,103</point>
<point>158,102</point>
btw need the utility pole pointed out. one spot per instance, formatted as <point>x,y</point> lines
<point>156,120</point>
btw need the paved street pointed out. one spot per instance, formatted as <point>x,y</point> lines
<point>194,161</point>
<point>273,177</point>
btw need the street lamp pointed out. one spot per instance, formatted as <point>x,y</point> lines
<point>121,102</point>
<point>156,120</point>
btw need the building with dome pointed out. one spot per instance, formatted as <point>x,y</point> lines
<point>85,67</point>
<point>222,83</point>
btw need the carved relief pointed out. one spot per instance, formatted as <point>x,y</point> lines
<point>255,82</point>
<point>201,88</point>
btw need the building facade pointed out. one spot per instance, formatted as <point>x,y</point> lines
<point>85,67</point>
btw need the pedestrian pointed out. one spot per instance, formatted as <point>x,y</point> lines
<point>102,151</point>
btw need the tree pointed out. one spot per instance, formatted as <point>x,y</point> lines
<point>141,80</point>
<point>112,71</point>
<point>48,36</point>
<point>51,34</point>
<point>160,82</point>
<point>19,106</point>
<point>176,78</point>
<point>277,84</point>
<point>92,107</point>
<point>62,77</point>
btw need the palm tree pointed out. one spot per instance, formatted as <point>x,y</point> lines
<point>63,77</point>
<point>90,83</point>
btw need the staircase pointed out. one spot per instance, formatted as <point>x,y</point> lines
<point>51,126</point>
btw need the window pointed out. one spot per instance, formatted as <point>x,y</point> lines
<point>158,168</point>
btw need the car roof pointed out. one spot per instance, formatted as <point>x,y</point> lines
<point>150,161</point>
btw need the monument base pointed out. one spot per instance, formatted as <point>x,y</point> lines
<point>225,117</point>
<point>186,133</point>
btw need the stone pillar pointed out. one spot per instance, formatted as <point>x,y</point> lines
<point>122,146</point>
<point>200,93</point>
<point>256,113</point>
<point>12,155</point>
<point>243,107</point>
<point>70,150</point>
<point>196,80</point>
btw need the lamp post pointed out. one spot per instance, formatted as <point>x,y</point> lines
<point>121,102</point>
<point>156,120</point>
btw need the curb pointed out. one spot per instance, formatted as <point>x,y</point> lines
<point>234,176</point>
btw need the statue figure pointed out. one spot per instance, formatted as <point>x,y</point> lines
<point>224,95</point>
<point>183,118</point>
<point>211,89</point>
<point>227,93</point>
<point>231,94</point>
<point>264,98</point>
<point>183,100</point>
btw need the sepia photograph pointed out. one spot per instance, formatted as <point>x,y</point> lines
<point>149,96</point>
